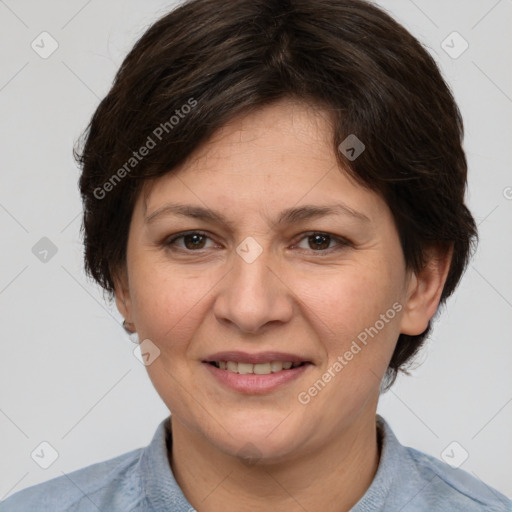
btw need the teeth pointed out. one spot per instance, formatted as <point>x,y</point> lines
<point>262,369</point>
<point>258,369</point>
<point>276,366</point>
<point>245,368</point>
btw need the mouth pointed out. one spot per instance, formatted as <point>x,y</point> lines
<point>255,373</point>
<point>256,369</point>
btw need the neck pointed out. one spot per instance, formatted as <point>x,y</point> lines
<point>330,479</point>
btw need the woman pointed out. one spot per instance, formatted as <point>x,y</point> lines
<point>274,194</point>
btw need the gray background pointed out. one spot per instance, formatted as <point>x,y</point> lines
<point>67,372</point>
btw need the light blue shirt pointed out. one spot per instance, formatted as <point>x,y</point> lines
<point>407,480</point>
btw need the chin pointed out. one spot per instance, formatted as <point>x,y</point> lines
<point>252,451</point>
<point>267,437</point>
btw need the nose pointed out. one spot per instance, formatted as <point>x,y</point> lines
<point>253,296</point>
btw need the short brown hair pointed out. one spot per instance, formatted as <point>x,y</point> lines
<point>223,59</point>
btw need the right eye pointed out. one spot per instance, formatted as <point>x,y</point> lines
<point>193,241</point>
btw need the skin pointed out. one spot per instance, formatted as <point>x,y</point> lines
<point>191,303</point>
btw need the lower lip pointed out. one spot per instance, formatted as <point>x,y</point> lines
<point>255,384</point>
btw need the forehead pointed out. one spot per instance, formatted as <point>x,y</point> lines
<point>279,155</point>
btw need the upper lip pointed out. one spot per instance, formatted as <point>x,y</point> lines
<point>260,357</point>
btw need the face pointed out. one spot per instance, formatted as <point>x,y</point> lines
<point>295,263</point>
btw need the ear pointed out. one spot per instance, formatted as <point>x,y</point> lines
<point>424,291</point>
<point>122,293</point>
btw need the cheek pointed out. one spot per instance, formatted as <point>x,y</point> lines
<point>356,321</point>
<point>168,302</point>
<point>348,302</point>
<point>357,326</point>
<point>169,305</point>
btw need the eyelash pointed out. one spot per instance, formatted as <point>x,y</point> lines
<point>342,242</point>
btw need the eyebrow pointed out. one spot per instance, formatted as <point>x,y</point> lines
<point>288,216</point>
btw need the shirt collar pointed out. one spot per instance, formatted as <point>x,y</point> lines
<point>163,492</point>
<point>392,456</point>
<point>158,482</point>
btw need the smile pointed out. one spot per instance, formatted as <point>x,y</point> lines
<point>257,369</point>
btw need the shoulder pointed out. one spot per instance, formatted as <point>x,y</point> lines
<point>444,486</point>
<point>106,485</point>
<point>412,481</point>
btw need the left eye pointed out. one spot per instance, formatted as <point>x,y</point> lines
<point>318,242</point>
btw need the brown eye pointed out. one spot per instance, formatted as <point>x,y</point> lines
<point>319,241</point>
<point>192,241</point>
<point>322,243</point>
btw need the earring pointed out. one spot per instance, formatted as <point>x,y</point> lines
<point>132,333</point>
